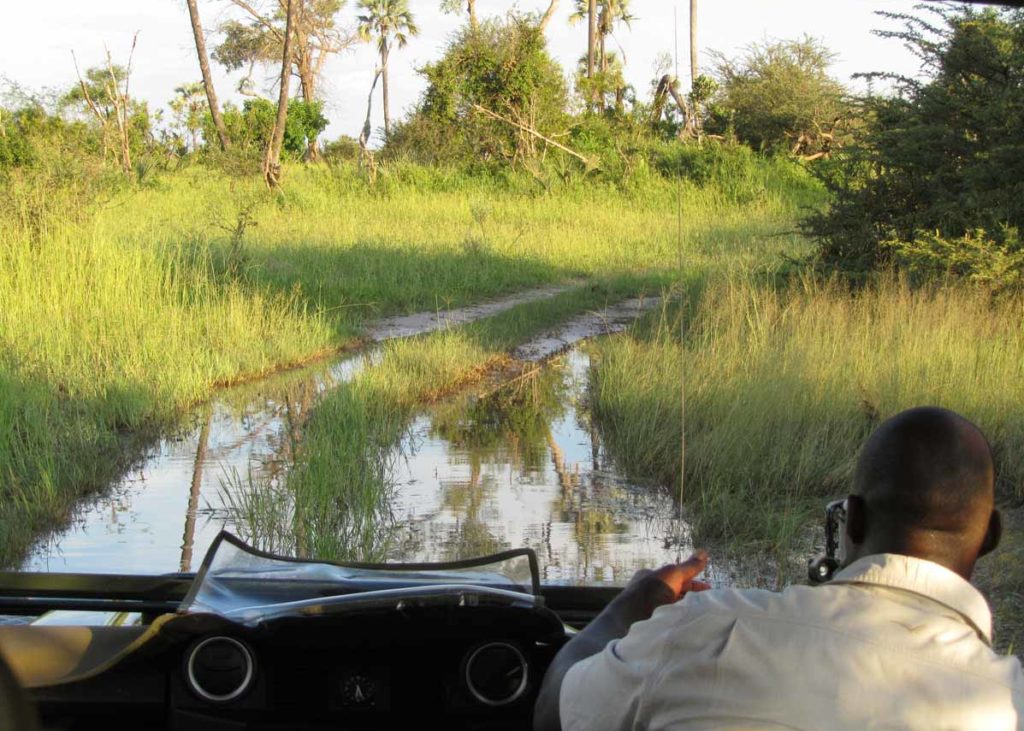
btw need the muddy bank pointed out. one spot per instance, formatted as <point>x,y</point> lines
<point>612,319</point>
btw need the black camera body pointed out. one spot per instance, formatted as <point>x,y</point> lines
<point>823,568</point>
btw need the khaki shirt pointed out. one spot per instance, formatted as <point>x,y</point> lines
<point>891,642</point>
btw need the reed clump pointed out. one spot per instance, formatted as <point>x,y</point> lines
<point>783,382</point>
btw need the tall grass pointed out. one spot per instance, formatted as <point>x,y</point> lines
<point>426,238</point>
<point>783,384</point>
<point>121,307</point>
<point>100,338</point>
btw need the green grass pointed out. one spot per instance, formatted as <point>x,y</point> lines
<point>424,239</point>
<point>784,383</point>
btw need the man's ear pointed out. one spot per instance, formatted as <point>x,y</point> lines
<point>993,534</point>
<point>856,519</point>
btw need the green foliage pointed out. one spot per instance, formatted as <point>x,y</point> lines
<point>504,68</point>
<point>250,127</point>
<point>15,148</point>
<point>343,149</point>
<point>994,262</point>
<point>779,96</point>
<point>939,170</point>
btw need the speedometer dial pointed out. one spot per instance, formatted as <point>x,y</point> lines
<point>358,690</point>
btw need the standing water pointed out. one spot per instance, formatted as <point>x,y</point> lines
<point>521,466</point>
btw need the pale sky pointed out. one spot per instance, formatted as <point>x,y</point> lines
<point>36,49</point>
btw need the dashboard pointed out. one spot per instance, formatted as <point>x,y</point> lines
<point>454,667</point>
<point>257,641</point>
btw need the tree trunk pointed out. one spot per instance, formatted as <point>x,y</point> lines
<point>591,36</point>
<point>693,42</point>
<point>471,8</point>
<point>204,66</point>
<point>272,162</point>
<point>384,86</point>
<point>548,15</point>
<point>308,80</point>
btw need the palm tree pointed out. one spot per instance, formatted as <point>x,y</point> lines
<point>390,22</point>
<point>601,15</point>
<point>612,12</point>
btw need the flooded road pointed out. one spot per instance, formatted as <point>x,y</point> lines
<point>520,466</point>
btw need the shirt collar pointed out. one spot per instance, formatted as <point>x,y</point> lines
<point>926,578</point>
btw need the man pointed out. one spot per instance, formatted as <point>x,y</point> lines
<point>898,638</point>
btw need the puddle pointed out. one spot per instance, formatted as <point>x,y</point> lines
<point>525,467</point>
<point>521,467</point>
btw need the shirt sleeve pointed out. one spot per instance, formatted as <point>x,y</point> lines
<point>606,690</point>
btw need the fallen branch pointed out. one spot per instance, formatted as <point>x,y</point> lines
<point>535,133</point>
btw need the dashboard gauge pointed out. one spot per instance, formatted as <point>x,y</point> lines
<point>496,673</point>
<point>358,690</point>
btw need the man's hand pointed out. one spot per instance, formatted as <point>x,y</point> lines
<point>650,589</point>
<point>646,591</point>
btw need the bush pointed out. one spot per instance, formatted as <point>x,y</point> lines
<point>779,97</point>
<point>936,182</point>
<point>343,149</point>
<point>502,67</point>
<point>975,256</point>
<point>250,127</point>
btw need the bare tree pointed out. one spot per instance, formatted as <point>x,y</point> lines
<point>272,161</point>
<point>693,42</point>
<point>204,66</point>
<point>115,98</point>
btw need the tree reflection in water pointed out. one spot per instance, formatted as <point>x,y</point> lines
<point>510,465</point>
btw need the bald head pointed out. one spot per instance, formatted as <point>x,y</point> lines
<point>925,484</point>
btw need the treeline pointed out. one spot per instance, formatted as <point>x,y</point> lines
<point>925,177</point>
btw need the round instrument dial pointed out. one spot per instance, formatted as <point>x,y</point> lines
<point>497,673</point>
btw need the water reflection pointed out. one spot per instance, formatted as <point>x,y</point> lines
<point>519,466</point>
<point>525,467</point>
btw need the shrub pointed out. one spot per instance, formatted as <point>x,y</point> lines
<point>936,181</point>
<point>502,67</point>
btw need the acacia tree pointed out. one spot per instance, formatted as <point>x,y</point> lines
<point>779,95</point>
<point>390,22</point>
<point>932,179</point>
<point>258,40</point>
<point>204,67</point>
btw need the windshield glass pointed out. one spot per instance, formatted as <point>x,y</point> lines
<point>604,280</point>
<point>237,581</point>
